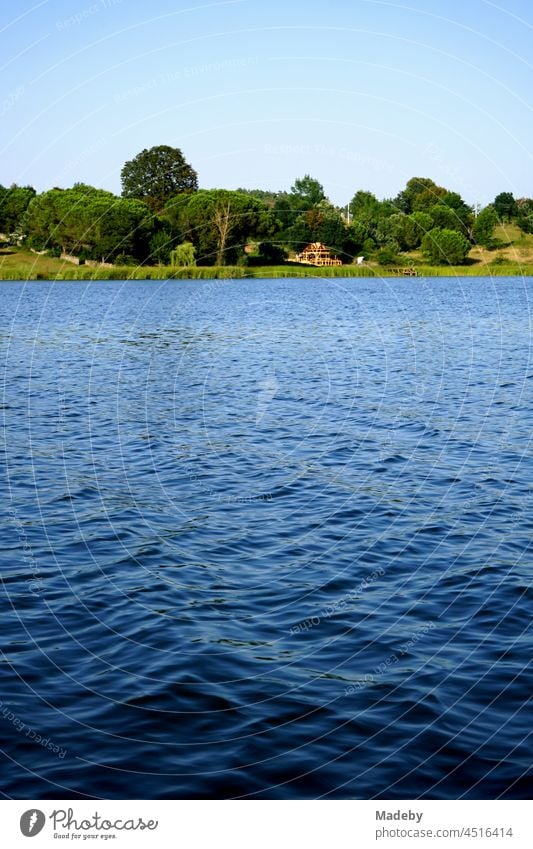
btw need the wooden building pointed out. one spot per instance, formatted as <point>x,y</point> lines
<point>317,254</point>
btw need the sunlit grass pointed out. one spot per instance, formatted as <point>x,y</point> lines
<point>18,264</point>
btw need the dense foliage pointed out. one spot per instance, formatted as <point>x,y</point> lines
<point>89,222</point>
<point>445,247</point>
<point>184,255</point>
<point>163,218</point>
<point>524,214</point>
<point>13,204</point>
<point>156,175</point>
<point>218,222</point>
<point>483,229</point>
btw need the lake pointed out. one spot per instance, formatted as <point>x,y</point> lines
<point>267,539</point>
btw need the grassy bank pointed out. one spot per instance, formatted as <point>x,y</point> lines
<point>25,265</point>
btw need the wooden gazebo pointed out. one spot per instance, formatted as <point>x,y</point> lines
<point>317,254</point>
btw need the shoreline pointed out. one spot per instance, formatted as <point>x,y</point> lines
<point>26,265</point>
<point>159,273</point>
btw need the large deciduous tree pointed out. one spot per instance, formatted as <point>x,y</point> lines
<point>156,175</point>
<point>505,206</point>
<point>419,195</point>
<point>218,222</point>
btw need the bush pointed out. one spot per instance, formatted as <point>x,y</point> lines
<point>387,256</point>
<point>484,225</point>
<point>445,247</point>
<point>369,246</point>
<point>125,259</point>
<point>160,247</point>
<point>183,255</point>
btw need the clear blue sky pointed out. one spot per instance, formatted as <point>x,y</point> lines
<point>358,93</point>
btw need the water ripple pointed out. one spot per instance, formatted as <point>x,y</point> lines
<point>267,540</point>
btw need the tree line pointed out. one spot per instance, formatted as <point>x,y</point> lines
<point>163,217</point>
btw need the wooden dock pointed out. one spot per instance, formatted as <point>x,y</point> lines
<point>405,272</point>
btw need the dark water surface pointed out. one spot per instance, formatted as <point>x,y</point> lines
<point>267,539</point>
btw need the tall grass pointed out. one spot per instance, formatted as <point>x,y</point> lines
<point>226,272</point>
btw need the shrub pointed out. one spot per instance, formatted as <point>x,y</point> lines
<point>183,255</point>
<point>369,246</point>
<point>483,230</point>
<point>387,256</point>
<point>126,259</point>
<point>445,247</point>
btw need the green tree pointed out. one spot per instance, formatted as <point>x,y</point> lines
<point>307,192</point>
<point>419,195</point>
<point>425,200</point>
<point>505,206</point>
<point>161,244</point>
<point>218,222</point>
<point>90,221</point>
<point>79,209</point>
<point>322,223</point>
<point>369,246</point>
<point>445,247</point>
<point>357,235</point>
<point>385,234</point>
<point>454,201</point>
<point>183,255</point>
<point>156,175</point>
<point>462,211</point>
<point>524,216</point>
<point>483,230</point>
<point>13,205</point>
<point>334,233</point>
<point>268,197</point>
<point>40,219</point>
<point>387,256</point>
<point>445,217</point>
<point>57,218</point>
<point>284,211</point>
<point>409,230</point>
<point>423,224</point>
<point>365,208</point>
<point>118,226</point>
<point>370,213</point>
<point>301,231</point>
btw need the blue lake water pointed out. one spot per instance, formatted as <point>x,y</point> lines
<point>267,539</point>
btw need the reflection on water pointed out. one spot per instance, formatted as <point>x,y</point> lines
<point>267,539</point>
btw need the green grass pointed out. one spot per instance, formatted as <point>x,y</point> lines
<point>24,265</point>
<point>18,264</point>
<point>508,269</point>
